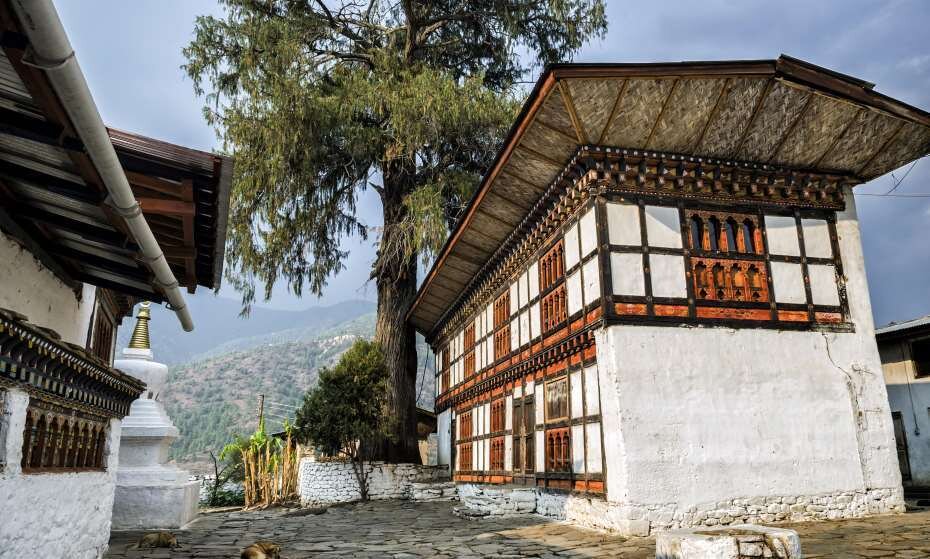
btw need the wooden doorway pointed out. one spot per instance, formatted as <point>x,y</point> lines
<point>900,438</point>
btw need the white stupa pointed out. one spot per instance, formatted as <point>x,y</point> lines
<point>149,493</point>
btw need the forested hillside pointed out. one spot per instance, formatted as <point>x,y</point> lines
<point>212,399</point>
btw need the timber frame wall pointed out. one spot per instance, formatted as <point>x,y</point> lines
<point>593,179</point>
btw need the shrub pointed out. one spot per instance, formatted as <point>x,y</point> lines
<point>346,408</point>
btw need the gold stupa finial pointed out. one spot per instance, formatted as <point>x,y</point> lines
<point>140,334</point>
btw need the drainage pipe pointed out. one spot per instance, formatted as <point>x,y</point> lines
<point>51,51</point>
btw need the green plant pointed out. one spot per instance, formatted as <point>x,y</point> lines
<point>345,412</point>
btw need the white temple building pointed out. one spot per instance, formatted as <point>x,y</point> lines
<point>150,493</point>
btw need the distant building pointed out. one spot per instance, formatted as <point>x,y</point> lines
<point>91,221</point>
<point>654,310</point>
<point>904,348</point>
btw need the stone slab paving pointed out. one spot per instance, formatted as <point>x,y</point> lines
<point>409,530</point>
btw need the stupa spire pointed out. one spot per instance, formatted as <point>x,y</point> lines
<point>140,334</point>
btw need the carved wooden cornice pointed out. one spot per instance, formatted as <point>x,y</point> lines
<point>32,359</point>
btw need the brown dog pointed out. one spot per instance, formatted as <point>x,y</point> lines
<point>262,549</point>
<point>156,539</point>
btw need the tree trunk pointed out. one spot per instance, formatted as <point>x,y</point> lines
<point>396,278</point>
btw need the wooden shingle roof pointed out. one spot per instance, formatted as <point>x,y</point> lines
<point>785,113</point>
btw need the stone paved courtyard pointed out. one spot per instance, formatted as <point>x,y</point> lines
<point>404,529</point>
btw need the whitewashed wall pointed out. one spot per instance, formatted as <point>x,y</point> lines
<point>52,515</point>
<point>335,482</point>
<point>911,397</point>
<point>696,417</point>
<point>29,288</point>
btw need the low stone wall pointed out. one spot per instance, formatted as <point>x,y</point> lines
<point>641,520</point>
<point>335,482</point>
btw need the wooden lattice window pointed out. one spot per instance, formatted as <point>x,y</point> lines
<point>498,412</point>
<point>445,368</point>
<point>558,450</point>
<point>557,399</point>
<point>466,427</point>
<point>466,457</point>
<point>502,325</point>
<point>552,266</point>
<point>497,454</point>
<point>712,235</point>
<point>524,415</point>
<point>553,309</point>
<point>102,340</point>
<point>719,279</point>
<point>724,232</point>
<point>469,350</point>
<point>58,439</point>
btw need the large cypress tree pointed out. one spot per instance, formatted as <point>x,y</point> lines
<point>321,99</point>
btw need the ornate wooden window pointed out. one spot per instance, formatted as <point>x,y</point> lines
<point>724,232</point>
<point>470,350</point>
<point>717,278</point>
<point>466,457</point>
<point>497,453</point>
<point>553,309</point>
<point>502,325</point>
<point>552,266</point>
<point>558,450</point>
<point>445,368</point>
<point>102,340</point>
<point>60,439</point>
<point>466,427</point>
<point>557,399</point>
<point>498,412</point>
<point>524,415</point>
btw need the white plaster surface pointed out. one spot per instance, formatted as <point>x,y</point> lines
<point>571,246</point>
<point>592,281</point>
<point>626,273</point>
<point>623,224</point>
<point>668,275</point>
<point>29,288</point>
<point>823,284</point>
<point>336,482</point>
<point>443,429</point>
<point>788,281</point>
<point>663,227</point>
<point>816,238</point>
<point>574,293</point>
<point>56,514</point>
<point>782,234</point>
<point>588,226</point>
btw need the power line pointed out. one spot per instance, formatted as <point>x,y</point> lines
<point>906,173</point>
<point>886,195</point>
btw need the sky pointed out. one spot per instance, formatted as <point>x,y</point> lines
<point>131,56</point>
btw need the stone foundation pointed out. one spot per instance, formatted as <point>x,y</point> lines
<point>434,491</point>
<point>744,541</point>
<point>641,520</point>
<point>335,482</point>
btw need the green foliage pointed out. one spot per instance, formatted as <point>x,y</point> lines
<point>347,405</point>
<point>321,99</point>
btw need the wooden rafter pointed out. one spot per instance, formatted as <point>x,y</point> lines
<point>570,107</point>
<point>838,138</point>
<point>613,112</point>
<point>724,93</point>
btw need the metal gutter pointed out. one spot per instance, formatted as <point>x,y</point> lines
<point>51,51</point>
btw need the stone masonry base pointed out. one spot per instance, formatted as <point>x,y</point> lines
<point>640,520</point>
<point>335,482</point>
